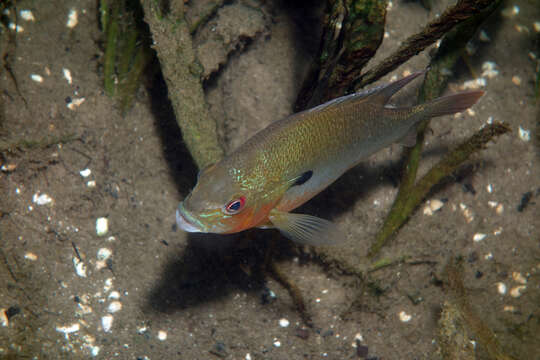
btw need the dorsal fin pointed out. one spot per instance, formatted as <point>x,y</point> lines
<point>378,94</point>
<point>383,93</point>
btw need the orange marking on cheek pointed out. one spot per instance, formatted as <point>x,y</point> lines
<point>250,218</point>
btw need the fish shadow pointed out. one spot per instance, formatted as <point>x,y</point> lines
<point>211,267</point>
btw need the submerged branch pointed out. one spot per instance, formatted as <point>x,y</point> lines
<point>404,206</point>
<point>472,322</point>
<point>182,73</point>
<point>353,32</point>
<point>435,81</point>
<point>463,10</point>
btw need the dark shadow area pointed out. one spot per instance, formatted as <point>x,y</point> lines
<point>212,266</point>
<point>183,169</point>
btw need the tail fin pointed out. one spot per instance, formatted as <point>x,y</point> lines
<point>451,104</point>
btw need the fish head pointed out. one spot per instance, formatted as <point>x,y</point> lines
<point>225,200</point>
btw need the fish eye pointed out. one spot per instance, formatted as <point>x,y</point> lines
<point>235,206</point>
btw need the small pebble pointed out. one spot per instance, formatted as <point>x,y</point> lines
<point>524,134</point>
<point>42,199</point>
<point>114,307</point>
<point>489,69</point>
<point>516,291</point>
<point>479,237</point>
<point>4,321</point>
<point>277,343</point>
<point>37,78</point>
<point>80,267</point>
<point>102,226</point>
<point>489,188</point>
<point>27,15</point>
<point>114,295</point>
<point>404,317</point>
<point>500,209</point>
<point>104,254</point>
<point>73,19</point>
<point>509,308</point>
<point>67,76</point>
<point>501,288</point>
<point>516,80</point>
<point>106,322</point>
<point>536,26</point>
<point>16,28</point>
<point>162,335</point>
<point>284,322</point>
<point>433,206</point>
<point>68,329</point>
<point>519,278</point>
<point>91,184</point>
<point>85,173</point>
<point>30,256</point>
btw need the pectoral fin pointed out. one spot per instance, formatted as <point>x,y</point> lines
<point>306,229</point>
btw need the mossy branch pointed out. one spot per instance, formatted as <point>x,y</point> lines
<point>462,11</point>
<point>409,194</point>
<point>458,295</point>
<point>353,32</point>
<point>404,205</point>
<point>182,73</point>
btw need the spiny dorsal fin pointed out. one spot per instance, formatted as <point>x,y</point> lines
<point>385,92</point>
<point>378,94</point>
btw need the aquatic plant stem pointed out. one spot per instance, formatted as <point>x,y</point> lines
<point>456,290</point>
<point>462,11</point>
<point>182,73</point>
<point>435,81</point>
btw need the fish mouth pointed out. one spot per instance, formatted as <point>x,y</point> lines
<point>185,221</point>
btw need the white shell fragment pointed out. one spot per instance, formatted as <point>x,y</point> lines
<point>27,15</point>
<point>106,322</point>
<point>75,103</point>
<point>42,199</point>
<point>277,343</point>
<point>67,76</point>
<point>16,28</point>
<point>516,291</point>
<point>467,213</point>
<point>524,134</point>
<point>284,322</point>
<point>501,288</point>
<point>85,173</point>
<point>73,19</point>
<point>474,84</point>
<point>30,256</point>
<point>69,328</point>
<point>114,307</point>
<point>433,206</point>
<point>102,226</point>
<point>479,237</point>
<point>104,254</point>
<point>114,295</point>
<point>404,317</point>
<point>489,69</point>
<point>91,184</point>
<point>80,267</point>
<point>162,335</point>
<point>4,321</point>
<point>37,78</point>
<point>519,278</point>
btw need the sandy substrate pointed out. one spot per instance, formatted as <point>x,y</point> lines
<point>144,290</point>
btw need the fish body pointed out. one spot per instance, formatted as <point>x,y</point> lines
<point>292,160</point>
